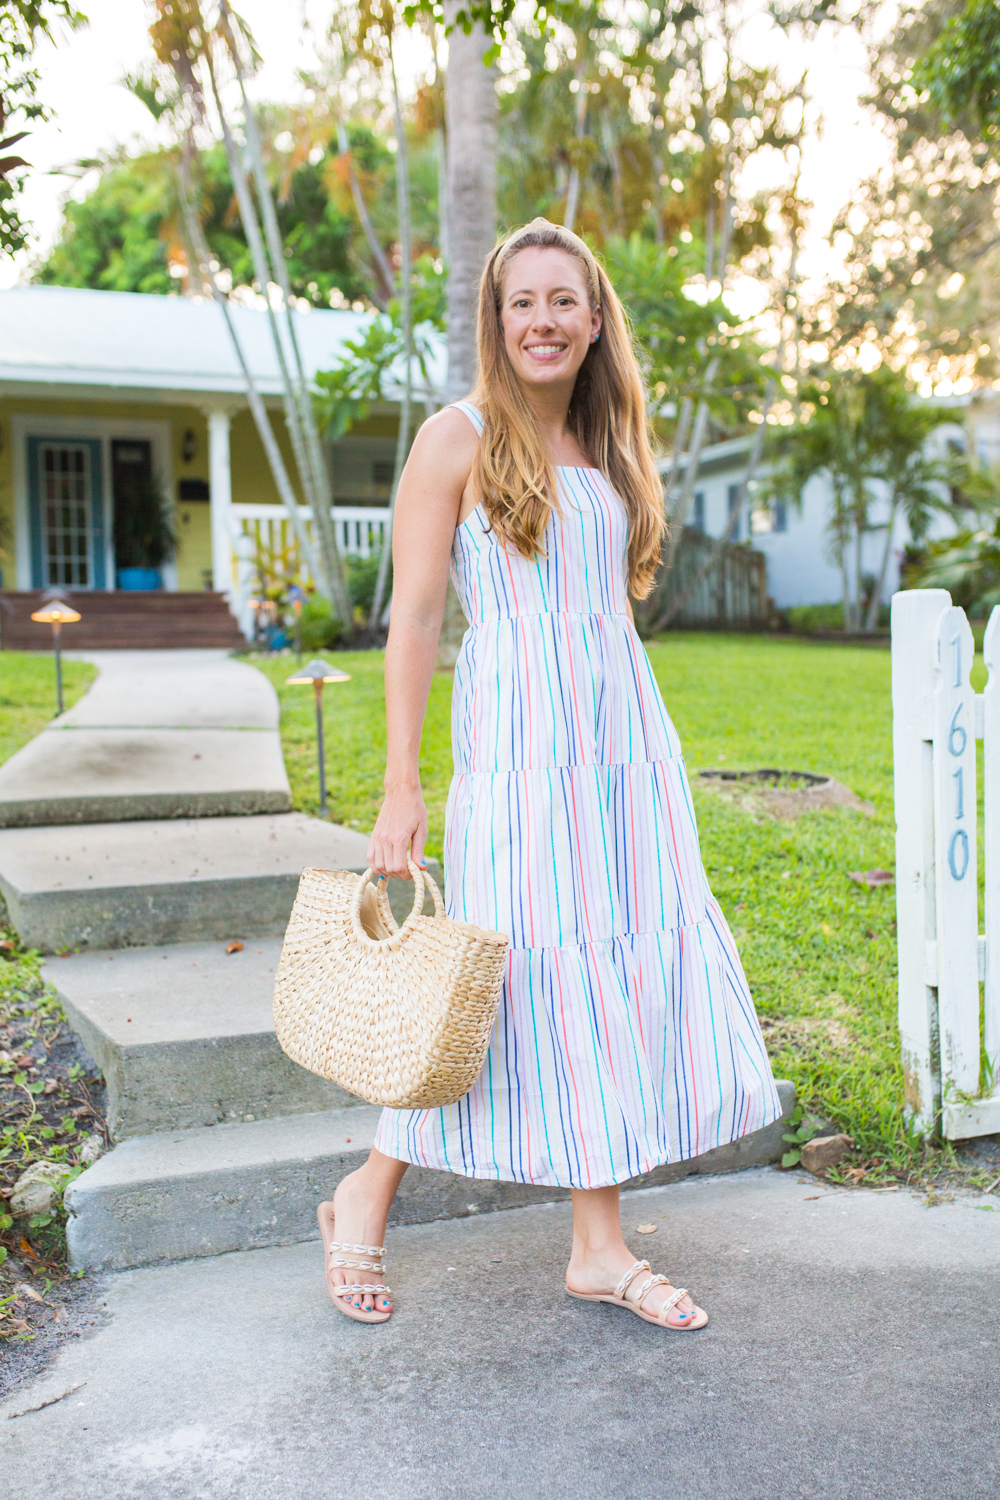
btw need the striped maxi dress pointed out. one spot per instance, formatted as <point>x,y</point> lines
<point>626,1035</point>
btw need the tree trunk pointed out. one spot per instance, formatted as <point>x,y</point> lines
<point>329,577</point>
<point>381,264</point>
<point>713,268</point>
<point>718,553</point>
<point>573,190</point>
<point>406,309</point>
<point>441,151</point>
<point>679,514</point>
<point>470,217</point>
<point>845,588</point>
<point>471,116</point>
<point>856,601</point>
<point>677,452</point>
<point>871,619</point>
<point>257,408</point>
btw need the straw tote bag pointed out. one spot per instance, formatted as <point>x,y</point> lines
<point>398,1015</point>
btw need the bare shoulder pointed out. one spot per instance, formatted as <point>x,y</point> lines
<point>445,445</point>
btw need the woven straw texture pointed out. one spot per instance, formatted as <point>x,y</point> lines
<point>400,1016</point>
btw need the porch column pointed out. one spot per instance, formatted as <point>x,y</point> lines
<point>221,498</point>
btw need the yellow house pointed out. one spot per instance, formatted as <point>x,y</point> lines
<point>108,395</point>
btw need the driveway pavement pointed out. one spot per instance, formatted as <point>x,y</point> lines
<point>854,1351</point>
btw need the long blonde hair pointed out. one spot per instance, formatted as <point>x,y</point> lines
<point>512,475</point>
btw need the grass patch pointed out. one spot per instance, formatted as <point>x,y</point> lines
<point>28,694</point>
<point>819,950</point>
<point>354,731</point>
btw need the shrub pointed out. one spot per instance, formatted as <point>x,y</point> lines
<point>320,626</point>
<point>810,617</point>
<point>362,576</point>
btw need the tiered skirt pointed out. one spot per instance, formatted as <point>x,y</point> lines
<point>626,1035</point>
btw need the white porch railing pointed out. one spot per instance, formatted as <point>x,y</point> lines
<point>937,719</point>
<point>360,528</point>
<point>263,533</point>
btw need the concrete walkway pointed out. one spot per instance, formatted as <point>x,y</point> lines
<point>160,734</point>
<point>854,1352</point>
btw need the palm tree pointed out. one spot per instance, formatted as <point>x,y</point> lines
<point>917,482</point>
<point>857,429</point>
<point>968,564</point>
<point>470,208</point>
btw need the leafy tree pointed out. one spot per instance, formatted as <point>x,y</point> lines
<point>22,24</point>
<point>677,335</point>
<point>857,430</point>
<point>126,234</point>
<point>961,68</point>
<point>921,240</point>
<point>968,564</point>
<point>120,237</point>
<point>369,362</point>
<point>642,121</point>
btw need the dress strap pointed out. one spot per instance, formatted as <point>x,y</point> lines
<point>473,413</point>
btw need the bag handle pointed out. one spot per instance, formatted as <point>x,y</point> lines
<point>421,878</point>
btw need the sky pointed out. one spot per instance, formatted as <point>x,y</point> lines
<point>94,114</point>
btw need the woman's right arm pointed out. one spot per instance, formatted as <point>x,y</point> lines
<point>428,504</point>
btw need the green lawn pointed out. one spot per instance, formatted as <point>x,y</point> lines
<point>818,948</point>
<point>28,694</point>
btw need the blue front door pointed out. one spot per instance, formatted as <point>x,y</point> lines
<point>66,494</point>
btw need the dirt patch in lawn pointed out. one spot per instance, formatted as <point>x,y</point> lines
<point>781,795</point>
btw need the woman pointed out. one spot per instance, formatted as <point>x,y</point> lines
<point>626,1035</point>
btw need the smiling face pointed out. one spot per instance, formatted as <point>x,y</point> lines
<point>548,323</point>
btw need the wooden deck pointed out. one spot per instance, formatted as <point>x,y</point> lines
<point>122,620</point>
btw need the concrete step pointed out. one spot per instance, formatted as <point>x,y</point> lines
<point>196,1192</point>
<point>184,1036</point>
<point>116,775</point>
<point>175,689</point>
<point>102,885</point>
<point>159,734</point>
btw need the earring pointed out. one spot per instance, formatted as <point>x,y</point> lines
<point>595,338</point>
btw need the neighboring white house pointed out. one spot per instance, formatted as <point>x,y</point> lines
<point>795,539</point>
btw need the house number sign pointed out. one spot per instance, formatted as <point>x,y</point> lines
<point>958,739</point>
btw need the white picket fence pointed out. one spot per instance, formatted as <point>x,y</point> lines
<point>359,528</point>
<point>943,958</point>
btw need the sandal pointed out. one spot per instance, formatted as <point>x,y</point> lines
<point>334,1257</point>
<point>687,1321</point>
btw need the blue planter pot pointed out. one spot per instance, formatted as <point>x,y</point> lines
<point>139,578</point>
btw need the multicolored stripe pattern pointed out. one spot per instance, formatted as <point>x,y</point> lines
<point>626,1035</point>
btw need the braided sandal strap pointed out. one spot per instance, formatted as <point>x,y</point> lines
<point>367,1287</point>
<point>358,1249</point>
<point>359,1265</point>
<point>629,1277</point>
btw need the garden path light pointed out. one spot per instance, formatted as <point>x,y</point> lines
<point>57,614</point>
<point>319,672</point>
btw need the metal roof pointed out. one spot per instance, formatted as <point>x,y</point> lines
<point>143,346</point>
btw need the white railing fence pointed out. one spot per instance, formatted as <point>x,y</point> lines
<point>264,532</point>
<point>943,959</point>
